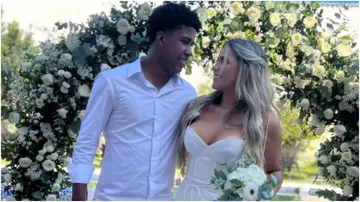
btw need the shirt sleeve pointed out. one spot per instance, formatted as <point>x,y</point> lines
<point>98,111</point>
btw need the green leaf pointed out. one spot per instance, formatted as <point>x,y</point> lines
<point>337,15</point>
<point>269,5</point>
<point>236,182</point>
<point>265,195</point>
<point>329,25</point>
<point>224,197</point>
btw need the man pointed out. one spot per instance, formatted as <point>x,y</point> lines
<point>138,106</point>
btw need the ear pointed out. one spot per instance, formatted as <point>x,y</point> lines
<point>160,37</point>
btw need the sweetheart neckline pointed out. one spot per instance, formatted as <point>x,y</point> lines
<point>221,140</point>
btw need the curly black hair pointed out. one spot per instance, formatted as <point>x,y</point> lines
<point>171,16</point>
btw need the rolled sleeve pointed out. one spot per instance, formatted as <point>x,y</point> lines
<point>98,111</point>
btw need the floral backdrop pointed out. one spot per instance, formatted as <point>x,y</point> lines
<point>313,63</point>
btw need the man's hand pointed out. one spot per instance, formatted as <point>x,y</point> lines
<point>79,192</point>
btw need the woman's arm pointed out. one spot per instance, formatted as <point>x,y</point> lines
<point>273,149</point>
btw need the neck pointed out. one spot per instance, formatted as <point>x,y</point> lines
<point>228,99</point>
<point>153,71</point>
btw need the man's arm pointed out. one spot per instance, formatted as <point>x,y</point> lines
<point>97,114</point>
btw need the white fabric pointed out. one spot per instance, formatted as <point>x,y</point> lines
<point>203,159</point>
<point>138,124</point>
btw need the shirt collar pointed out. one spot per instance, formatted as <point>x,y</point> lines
<point>135,68</point>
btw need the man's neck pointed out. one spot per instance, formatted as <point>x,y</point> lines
<point>153,72</point>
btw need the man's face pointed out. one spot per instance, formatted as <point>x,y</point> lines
<point>176,48</point>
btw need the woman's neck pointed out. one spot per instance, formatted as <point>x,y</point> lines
<point>228,100</point>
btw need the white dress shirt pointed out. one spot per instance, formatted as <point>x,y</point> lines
<point>139,125</point>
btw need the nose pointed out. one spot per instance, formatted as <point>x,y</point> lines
<point>215,67</point>
<point>188,51</point>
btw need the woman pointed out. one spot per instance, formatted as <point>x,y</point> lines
<point>234,120</point>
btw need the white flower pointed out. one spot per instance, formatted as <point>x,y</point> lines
<point>329,114</point>
<point>237,8</point>
<point>23,130</point>
<point>323,159</point>
<point>346,156</point>
<point>104,67</point>
<point>348,190</point>
<point>205,41</point>
<point>14,117</point>
<point>344,146</point>
<point>67,75</point>
<point>47,79</point>
<point>291,19</point>
<point>332,170</point>
<point>60,72</point>
<point>305,103</point>
<point>131,29</point>
<point>39,103</point>
<point>72,41</point>
<point>48,165</point>
<point>320,130</point>
<point>81,115</point>
<point>7,178</point>
<point>144,11</point>
<point>309,22</point>
<point>51,197</point>
<point>339,129</point>
<point>328,83</point>
<point>122,40</point>
<point>254,14</point>
<point>54,156</point>
<point>103,40</point>
<point>84,90</point>
<point>211,12</point>
<point>64,90</point>
<point>296,39</point>
<point>56,187</point>
<point>43,151</point>
<point>340,75</point>
<point>25,162</point>
<point>39,158</point>
<point>44,96</point>
<point>65,58</point>
<point>49,148</point>
<point>123,26</point>
<point>65,84</point>
<point>275,19</point>
<point>318,70</point>
<point>11,129</point>
<point>353,171</point>
<point>19,187</point>
<point>344,50</point>
<point>62,112</point>
<point>251,192</point>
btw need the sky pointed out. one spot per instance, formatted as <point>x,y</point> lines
<point>42,14</point>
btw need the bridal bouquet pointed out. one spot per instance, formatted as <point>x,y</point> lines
<point>244,182</point>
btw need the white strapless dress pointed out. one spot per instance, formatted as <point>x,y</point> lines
<point>203,159</point>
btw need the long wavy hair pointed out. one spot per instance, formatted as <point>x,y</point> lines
<point>254,98</point>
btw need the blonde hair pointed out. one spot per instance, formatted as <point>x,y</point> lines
<point>254,98</point>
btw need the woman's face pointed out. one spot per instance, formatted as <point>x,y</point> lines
<point>225,70</point>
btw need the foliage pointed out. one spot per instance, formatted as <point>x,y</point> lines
<point>316,71</point>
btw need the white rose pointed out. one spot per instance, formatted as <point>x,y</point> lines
<point>254,14</point>
<point>39,158</point>
<point>296,39</point>
<point>62,112</point>
<point>339,129</point>
<point>43,151</point>
<point>25,162</point>
<point>49,148</point>
<point>19,187</point>
<point>64,90</point>
<point>344,146</point>
<point>348,190</point>
<point>14,117</point>
<point>344,50</point>
<point>44,96</point>
<point>66,58</point>
<point>84,90</point>
<point>328,83</point>
<point>251,192</point>
<point>122,40</point>
<point>54,156</point>
<point>56,187</point>
<point>205,41</point>
<point>346,156</point>
<point>320,130</point>
<point>275,19</point>
<point>291,19</point>
<point>131,29</point>
<point>60,72</point>
<point>51,197</point>
<point>318,70</point>
<point>353,171</point>
<point>332,170</point>
<point>144,11</point>
<point>323,159</point>
<point>123,26</point>
<point>325,47</point>
<point>67,75</point>
<point>7,178</point>
<point>305,103</point>
<point>48,165</point>
<point>329,114</point>
<point>81,115</point>
<point>211,12</point>
<point>47,79</point>
<point>237,8</point>
<point>104,67</point>
<point>309,22</point>
<point>23,130</point>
